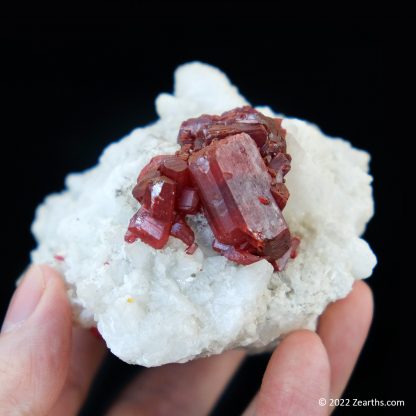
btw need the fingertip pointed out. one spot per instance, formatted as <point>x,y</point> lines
<point>354,312</point>
<point>299,351</point>
<point>363,297</point>
<point>52,275</point>
<point>301,338</point>
<point>54,310</point>
<point>343,328</point>
<point>38,288</point>
<point>296,377</point>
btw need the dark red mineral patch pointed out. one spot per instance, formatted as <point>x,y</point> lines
<point>231,168</point>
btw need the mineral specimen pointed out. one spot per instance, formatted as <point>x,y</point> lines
<point>154,307</point>
<point>231,167</point>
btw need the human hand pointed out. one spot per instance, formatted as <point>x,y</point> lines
<point>46,366</point>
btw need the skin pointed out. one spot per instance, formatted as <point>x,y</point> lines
<point>47,366</point>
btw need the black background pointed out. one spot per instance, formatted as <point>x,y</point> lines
<point>72,85</point>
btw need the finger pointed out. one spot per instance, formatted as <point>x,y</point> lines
<point>35,344</point>
<point>343,329</point>
<point>87,353</point>
<point>179,389</point>
<point>296,377</point>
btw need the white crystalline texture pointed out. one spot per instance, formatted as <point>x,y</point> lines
<point>159,306</point>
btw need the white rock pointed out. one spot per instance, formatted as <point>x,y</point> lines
<point>159,306</point>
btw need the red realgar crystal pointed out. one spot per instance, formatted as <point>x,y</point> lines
<point>231,168</point>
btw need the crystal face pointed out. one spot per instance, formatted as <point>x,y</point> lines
<point>150,230</point>
<point>231,168</point>
<point>234,183</point>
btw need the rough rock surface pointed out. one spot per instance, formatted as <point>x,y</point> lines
<point>159,306</point>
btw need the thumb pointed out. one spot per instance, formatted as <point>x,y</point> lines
<point>35,344</point>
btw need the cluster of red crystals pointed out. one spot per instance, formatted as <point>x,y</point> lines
<point>164,189</point>
<point>231,167</point>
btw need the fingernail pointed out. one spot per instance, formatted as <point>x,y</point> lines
<point>25,298</point>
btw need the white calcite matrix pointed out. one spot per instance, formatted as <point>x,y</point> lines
<point>160,306</point>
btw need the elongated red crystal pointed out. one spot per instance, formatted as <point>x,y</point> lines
<point>188,201</point>
<point>233,182</point>
<point>142,185</point>
<point>232,168</point>
<point>152,166</point>
<point>234,254</point>
<point>147,174</point>
<point>280,194</point>
<point>281,165</point>
<point>150,230</point>
<point>266,131</point>
<point>180,229</point>
<point>291,253</point>
<point>159,198</point>
<point>176,169</point>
